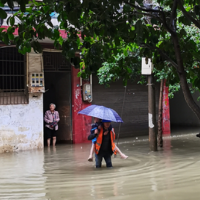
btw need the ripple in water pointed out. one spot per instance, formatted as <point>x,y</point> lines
<point>64,173</point>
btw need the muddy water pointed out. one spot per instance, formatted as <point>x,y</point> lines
<point>64,173</point>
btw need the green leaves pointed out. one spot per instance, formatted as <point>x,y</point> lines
<point>36,47</point>
<point>127,8</point>
<point>117,41</point>
<point>10,32</point>
<point>139,31</point>
<point>125,65</point>
<point>112,41</point>
<point>12,21</point>
<point>197,9</point>
<point>3,14</point>
<point>184,20</point>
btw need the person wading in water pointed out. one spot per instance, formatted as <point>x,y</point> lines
<point>96,127</point>
<point>104,145</point>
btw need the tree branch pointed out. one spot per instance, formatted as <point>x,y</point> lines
<point>166,25</point>
<point>149,15</point>
<point>161,52</point>
<point>196,22</point>
<point>173,15</point>
<point>142,8</point>
<point>161,12</point>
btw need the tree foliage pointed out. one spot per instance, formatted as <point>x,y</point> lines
<point>166,31</point>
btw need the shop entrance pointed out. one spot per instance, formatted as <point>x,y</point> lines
<point>57,73</point>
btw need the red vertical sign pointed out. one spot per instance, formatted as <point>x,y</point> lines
<point>81,124</point>
<point>166,112</point>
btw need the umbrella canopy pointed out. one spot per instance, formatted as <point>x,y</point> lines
<point>101,112</point>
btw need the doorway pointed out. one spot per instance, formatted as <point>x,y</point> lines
<point>57,73</point>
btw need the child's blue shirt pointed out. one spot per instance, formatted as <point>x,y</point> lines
<point>94,127</point>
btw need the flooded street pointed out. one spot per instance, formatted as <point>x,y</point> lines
<point>64,173</point>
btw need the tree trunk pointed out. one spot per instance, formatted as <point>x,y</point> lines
<point>160,139</point>
<point>183,81</point>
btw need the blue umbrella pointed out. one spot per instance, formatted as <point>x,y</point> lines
<point>101,112</point>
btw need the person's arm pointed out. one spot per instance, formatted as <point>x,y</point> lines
<point>91,136</point>
<point>46,118</point>
<point>99,126</point>
<point>58,118</point>
<point>110,127</point>
<point>113,131</point>
<point>93,132</point>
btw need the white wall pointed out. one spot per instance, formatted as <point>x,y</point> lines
<point>21,126</point>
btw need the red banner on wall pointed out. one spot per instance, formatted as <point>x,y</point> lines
<point>166,111</point>
<point>81,124</point>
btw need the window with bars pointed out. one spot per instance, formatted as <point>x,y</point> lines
<point>13,88</point>
<point>55,62</point>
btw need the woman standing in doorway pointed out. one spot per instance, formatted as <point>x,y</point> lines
<point>51,118</point>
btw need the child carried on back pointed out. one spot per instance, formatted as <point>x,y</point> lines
<point>95,129</point>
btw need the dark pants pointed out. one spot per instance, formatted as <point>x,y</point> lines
<point>107,158</point>
<point>50,133</point>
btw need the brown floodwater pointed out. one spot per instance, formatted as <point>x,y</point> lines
<point>64,173</point>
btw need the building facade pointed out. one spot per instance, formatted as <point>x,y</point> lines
<point>29,83</point>
<point>22,105</point>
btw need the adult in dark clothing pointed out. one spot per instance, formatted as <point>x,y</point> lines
<point>104,146</point>
<point>95,130</point>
